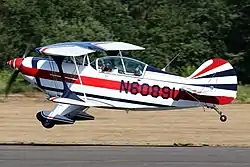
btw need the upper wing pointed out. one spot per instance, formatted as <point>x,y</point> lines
<point>116,46</point>
<point>83,48</point>
<point>67,50</point>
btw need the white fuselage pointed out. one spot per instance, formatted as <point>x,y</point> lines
<point>153,89</point>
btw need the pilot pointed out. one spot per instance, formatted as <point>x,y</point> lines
<point>107,67</point>
<point>138,71</point>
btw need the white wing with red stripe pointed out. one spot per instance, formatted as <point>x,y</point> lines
<point>83,48</point>
<point>69,50</point>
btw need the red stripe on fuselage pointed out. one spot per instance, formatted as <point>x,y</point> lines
<point>115,85</point>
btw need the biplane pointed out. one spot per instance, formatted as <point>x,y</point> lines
<point>66,75</point>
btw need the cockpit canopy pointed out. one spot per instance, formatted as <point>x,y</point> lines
<point>119,65</point>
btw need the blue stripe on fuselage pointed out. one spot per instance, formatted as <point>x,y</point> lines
<point>35,61</point>
<point>153,69</point>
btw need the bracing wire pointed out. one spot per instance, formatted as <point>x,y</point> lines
<point>195,99</point>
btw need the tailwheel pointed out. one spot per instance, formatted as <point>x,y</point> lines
<point>223,117</point>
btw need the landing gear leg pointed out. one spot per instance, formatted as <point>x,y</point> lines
<point>223,117</point>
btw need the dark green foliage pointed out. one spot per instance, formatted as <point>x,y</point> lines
<point>196,30</point>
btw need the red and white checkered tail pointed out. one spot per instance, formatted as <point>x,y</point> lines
<point>219,74</point>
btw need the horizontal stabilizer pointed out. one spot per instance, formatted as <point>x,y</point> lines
<point>200,90</point>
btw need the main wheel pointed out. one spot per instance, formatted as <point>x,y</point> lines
<point>48,124</point>
<point>223,118</point>
<point>40,117</point>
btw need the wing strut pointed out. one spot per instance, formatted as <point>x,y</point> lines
<point>67,93</point>
<point>78,73</point>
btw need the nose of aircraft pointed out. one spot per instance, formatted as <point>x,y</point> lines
<point>15,63</point>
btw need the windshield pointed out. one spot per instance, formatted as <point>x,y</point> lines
<point>119,65</point>
<point>133,67</point>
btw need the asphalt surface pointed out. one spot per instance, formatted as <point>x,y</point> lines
<point>73,156</point>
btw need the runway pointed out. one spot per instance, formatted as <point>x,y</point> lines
<point>73,156</point>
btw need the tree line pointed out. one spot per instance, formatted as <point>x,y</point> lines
<point>195,30</point>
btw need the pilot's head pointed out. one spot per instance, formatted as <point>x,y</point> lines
<point>107,66</point>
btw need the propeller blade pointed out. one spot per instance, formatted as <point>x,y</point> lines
<point>11,81</point>
<point>28,48</point>
<point>15,73</point>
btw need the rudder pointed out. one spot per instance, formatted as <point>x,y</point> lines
<point>219,74</point>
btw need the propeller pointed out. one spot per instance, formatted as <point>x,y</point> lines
<point>14,75</point>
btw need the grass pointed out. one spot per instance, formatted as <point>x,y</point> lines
<point>19,86</point>
<point>243,94</point>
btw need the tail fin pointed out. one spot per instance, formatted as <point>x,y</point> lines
<point>219,74</point>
